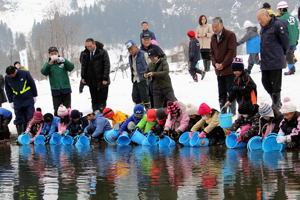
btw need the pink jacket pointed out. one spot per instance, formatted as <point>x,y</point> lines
<point>30,124</point>
<point>180,123</point>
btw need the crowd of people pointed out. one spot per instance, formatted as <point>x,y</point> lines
<point>156,107</point>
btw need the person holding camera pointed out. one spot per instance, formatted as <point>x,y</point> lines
<point>57,69</point>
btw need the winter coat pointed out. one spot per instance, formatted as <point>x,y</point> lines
<point>133,119</point>
<point>6,114</point>
<point>274,44</point>
<point>144,125</point>
<point>292,26</point>
<point>77,127</point>
<point>49,129</point>
<point>252,119</point>
<point>204,41</point>
<point>224,51</point>
<point>252,40</point>
<point>179,123</point>
<point>243,89</point>
<point>97,126</point>
<point>58,74</point>
<point>152,35</point>
<point>153,46</point>
<point>21,89</point>
<point>2,94</point>
<point>34,128</point>
<point>160,78</point>
<point>97,69</point>
<point>299,13</point>
<point>194,51</point>
<point>119,117</point>
<point>141,65</point>
<point>291,127</point>
<point>209,124</point>
<point>193,120</point>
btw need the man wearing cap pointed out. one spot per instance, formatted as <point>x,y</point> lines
<point>273,47</point>
<point>145,29</point>
<point>21,93</point>
<point>146,44</point>
<point>57,69</point>
<point>138,66</point>
<point>293,32</point>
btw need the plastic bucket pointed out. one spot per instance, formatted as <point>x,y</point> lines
<point>225,118</point>
<point>55,139</point>
<point>138,137</point>
<point>270,144</point>
<point>24,138</point>
<point>198,142</point>
<point>184,139</point>
<point>67,140</point>
<point>231,142</point>
<point>123,139</point>
<point>111,136</point>
<point>255,143</point>
<point>150,140</point>
<point>40,139</point>
<point>166,141</point>
<point>83,141</point>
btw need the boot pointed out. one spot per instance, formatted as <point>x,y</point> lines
<point>276,101</point>
<point>206,65</point>
<point>20,129</point>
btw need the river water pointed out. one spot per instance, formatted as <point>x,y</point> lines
<point>139,172</point>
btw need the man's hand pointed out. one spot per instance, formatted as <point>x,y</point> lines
<point>83,81</point>
<point>219,67</point>
<point>148,74</point>
<point>104,82</point>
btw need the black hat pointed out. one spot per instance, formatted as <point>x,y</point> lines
<point>146,36</point>
<point>246,108</point>
<point>75,114</point>
<point>161,114</point>
<point>10,70</point>
<point>153,53</point>
<point>48,117</point>
<point>52,49</point>
<point>266,5</point>
<point>237,64</point>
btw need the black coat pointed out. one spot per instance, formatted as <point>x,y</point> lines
<point>97,69</point>
<point>292,126</point>
<point>78,127</point>
<point>253,118</point>
<point>274,44</point>
<point>2,94</point>
<point>194,51</point>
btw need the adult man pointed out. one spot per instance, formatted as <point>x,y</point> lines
<point>95,69</point>
<point>273,47</point>
<point>147,44</point>
<point>57,69</point>
<point>138,66</point>
<point>293,32</point>
<point>223,50</point>
<point>21,93</point>
<point>145,29</point>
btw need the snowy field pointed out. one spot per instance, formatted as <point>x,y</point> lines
<point>186,90</point>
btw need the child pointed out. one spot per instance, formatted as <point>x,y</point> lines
<point>194,56</point>
<point>35,125</point>
<point>133,120</point>
<point>147,122</point>
<point>64,114</point>
<point>77,123</point>
<point>290,125</point>
<point>209,125</point>
<point>5,118</point>
<point>117,117</point>
<point>177,120</point>
<point>50,124</point>
<point>97,126</point>
<point>161,118</point>
<point>192,111</point>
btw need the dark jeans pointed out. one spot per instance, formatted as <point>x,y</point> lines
<point>99,95</point>
<point>224,86</point>
<point>64,99</point>
<point>253,59</point>
<point>140,92</point>
<point>193,69</point>
<point>162,96</point>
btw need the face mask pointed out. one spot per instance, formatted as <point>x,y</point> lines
<point>245,116</point>
<point>204,117</point>
<point>54,57</point>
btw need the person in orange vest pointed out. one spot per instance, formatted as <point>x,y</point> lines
<point>117,117</point>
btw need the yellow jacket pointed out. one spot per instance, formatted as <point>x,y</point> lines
<point>119,117</point>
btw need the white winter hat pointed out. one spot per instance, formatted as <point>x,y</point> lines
<point>288,106</point>
<point>62,111</point>
<point>265,110</point>
<point>282,4</point>
<point>191,109</point>
<point>248,24</point>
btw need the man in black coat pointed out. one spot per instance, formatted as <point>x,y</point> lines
<point>273,47</point>
<point>95,69</point>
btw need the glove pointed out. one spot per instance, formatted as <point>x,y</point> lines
<point>190,135</point>
<point>34,99</point>
<point>165,132</point>
<point>12,105</point>
<point>202,134</point>
<point>161,135</point>
<point>179,132</point>
<point>60,59</point>
<point>239,139</point>
<point>281,139</point>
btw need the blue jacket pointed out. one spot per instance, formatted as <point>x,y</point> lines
<point>49,129</point>
<point>141,65</point>
<point>194,51</point>
<point>5,113</point>
<point>152,35</point>
<point>97,126</point>
<point>274,44</point>
<point>252,40</point>
<point>133,119</point>
<point>21,89</point>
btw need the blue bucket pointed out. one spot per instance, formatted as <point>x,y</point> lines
<point>138,137</point>
<point>231,142</point>
<point>111,136</point>
<point>150,140</point>
<point>166,142</point>
<point>67,140</point>
<point>83,141</point>
<point>55,139</point>
<point>185,139</point>
<point>123,139</point>
<point>40,139</point>
<point>225,118</point>
<point>270,144</point>
<point>198,142</point>
<point>24,138</point>
<point>255,143</point>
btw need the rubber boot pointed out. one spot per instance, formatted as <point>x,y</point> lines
<point>20,129</point>
<point>276,101</point>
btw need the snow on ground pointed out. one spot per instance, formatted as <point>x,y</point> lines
<point>185,90</point>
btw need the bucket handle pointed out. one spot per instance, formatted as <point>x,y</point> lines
<point>226,109</point>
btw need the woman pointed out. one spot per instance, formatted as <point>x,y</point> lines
<point>204,33</point>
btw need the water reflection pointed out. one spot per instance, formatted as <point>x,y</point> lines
<point>145,172</point>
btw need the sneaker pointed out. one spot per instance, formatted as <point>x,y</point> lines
<point>288,73</point>
<point>203,75</point>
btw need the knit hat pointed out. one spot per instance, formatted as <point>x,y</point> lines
<point>246,108</point>
<point>288,106</point>
<point>139,110</point>
<point>191,109</point>
<point>237,64</point>
<point>108,113</point>
<point>161,114</point>
<point>191,33</point>
<point>248,24</point>
<point>204,109</point>
<point>265,110</point>
<point>37,115</point>
<point>151,115</point>
<point>153,53</point>
<point>173,107</point>
<point>75,114</point>
<point>62,111</point>
<point>282,4</point>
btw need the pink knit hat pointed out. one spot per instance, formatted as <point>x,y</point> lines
<point>204,109</point>
<point>288,106</point>
<point>62,111</point>
<point>173,107</point>
<point>37,116</point>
